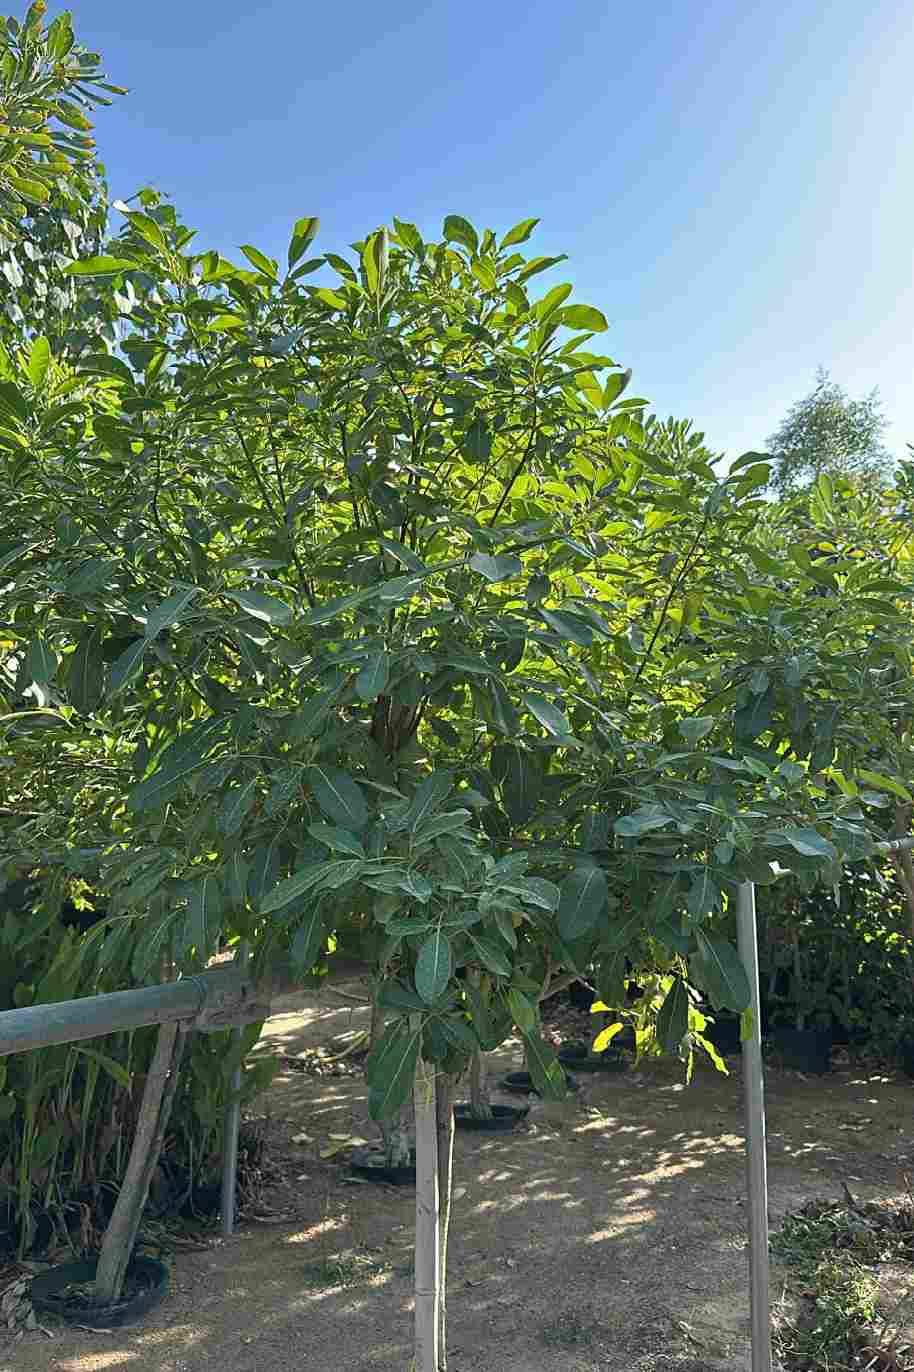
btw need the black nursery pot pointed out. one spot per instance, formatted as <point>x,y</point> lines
<point>724,1033</point>
<point>805,1050</point>
<point>579,1056</point>
<point>369,1164</point>
<point>145,1286</point>
<point>504,1118</point>
<point>521,1084</point>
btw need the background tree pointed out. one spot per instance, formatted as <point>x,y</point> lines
<point>829,432</point>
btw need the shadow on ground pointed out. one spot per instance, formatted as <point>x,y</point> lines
<point>608,1235</point>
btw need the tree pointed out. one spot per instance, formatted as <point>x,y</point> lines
<point>829,432</point>
<point>47,83</point>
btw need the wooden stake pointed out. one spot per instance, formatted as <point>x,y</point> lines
<point>427,1337</point>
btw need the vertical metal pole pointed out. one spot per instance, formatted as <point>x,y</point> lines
<point>756,1161</point>
<point>230,1127</point>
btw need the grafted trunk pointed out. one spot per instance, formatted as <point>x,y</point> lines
<point>480,1102</point>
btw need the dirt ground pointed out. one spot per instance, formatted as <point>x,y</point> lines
<point>607,1235</point>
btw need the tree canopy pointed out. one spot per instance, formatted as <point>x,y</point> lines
<point>829,432</point>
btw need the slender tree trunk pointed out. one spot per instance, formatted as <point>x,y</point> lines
<point>394,1132</point>
<point>480,1103</point>
<point>428,1249</point>
<point>444,1108</point>
<point>395,1136</point>
<point>155,1109</point>
<point>376,1026</point>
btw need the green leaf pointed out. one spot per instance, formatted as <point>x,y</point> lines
<point>154,941</point>
<point>434,966</point>
<point>640,821</point>
<point>504,716</point>
<point>704,895</point>
<point>236,803</point>
<point>754,717</point>
<point>583,317</point>
<point>722,974</point>
<point>260,261</point>
<point>884,783</point>
<point>551,718</point>
<point>429,795</point>
<point>303,235</point>
<point>39,361</point>
<point>237,874</point>
<point>391,1070</point>
<point>519,234</point>
<point>263,607</point>
<point>179,760</point>
<point>41,661</point>
<point>553,299</point>
<point>204,909</point>
<point>307,941</point>
<point>496,568</point>
<point>86,674</point>
<point>101,266</point>
<point>523,1011</point>
<point>544,1067</point>
<point>338,840</point>
<point>673,1017</point>
<point>810,843</point>
<point>374,676</point>
<point>169,611</point>
<point>284,892</point>
<point>126,667</point>
<point>408,235</point>
<point>374,261</point>
<point>330,609</point>
<point>492,955</point>
<point>522,785</point>
<point>696,727</point>
<point>115,1070</point>
<point>569,627</point>
<point>338,796</point>
<point>477,442</point>
<point>614,387</point>
<point>460,230</point>
<point>582,902</point>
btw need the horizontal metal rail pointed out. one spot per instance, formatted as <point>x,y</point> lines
<point>213,1000</point>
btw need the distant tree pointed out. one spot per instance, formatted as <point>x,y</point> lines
<point>828,432</point>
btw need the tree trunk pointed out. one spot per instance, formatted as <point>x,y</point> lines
<point>444,1107</point>
<point>480,1103</point>
<point>428,1250</point>
<point>152,1121</point>
<point>395,1136</point>
<point>376,1026</point>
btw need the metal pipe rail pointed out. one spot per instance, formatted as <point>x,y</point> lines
<point>217,999</point>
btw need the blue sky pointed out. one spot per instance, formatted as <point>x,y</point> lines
<point>732,182</point>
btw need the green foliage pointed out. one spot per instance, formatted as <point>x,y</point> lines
<point>373,618</point>
<point>826,436</point>
<point>831,1252</point>
<point>839,960</point>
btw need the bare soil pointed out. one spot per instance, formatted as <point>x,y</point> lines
<point>606,1236</point>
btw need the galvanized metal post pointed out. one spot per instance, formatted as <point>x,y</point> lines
<point>232,1124</point>
<point>756,1160</point>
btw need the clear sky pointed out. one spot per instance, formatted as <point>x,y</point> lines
<point>732,181</point>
